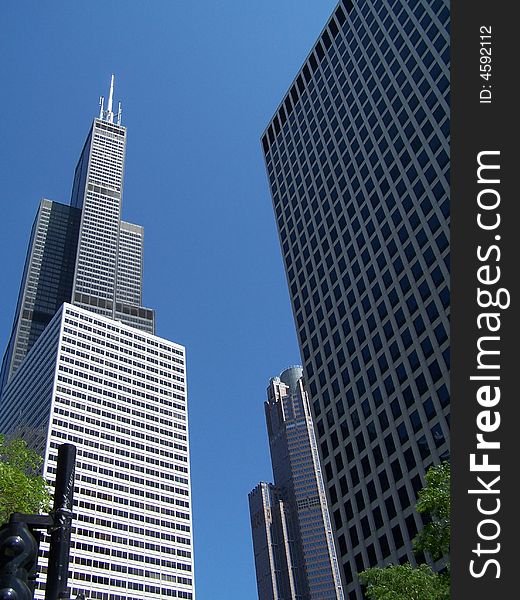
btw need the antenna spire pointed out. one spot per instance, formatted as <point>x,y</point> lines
<point>110,114</point>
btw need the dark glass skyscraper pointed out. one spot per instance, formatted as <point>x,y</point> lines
<point>295,557</point>
<point>47,279</point>
<point>357,157</point>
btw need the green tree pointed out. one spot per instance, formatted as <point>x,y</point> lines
<point>404,582</point>
<point>435,500</point>
<point>22,488</point>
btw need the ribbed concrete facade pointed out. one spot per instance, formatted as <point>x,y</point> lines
<point>118,394</point>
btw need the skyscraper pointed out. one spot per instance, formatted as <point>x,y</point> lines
<point>295,557</point>
<point>46,281</point>
<point>109,256</point>
<point>83,366</point>
<point>357,156</point>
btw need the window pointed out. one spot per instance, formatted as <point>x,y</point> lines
<point>402,432</point>
<point>390,509</point>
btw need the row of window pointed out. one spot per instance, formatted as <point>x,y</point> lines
<point>357,159</point>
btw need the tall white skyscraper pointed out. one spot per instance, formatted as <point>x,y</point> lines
<point>83,366</point>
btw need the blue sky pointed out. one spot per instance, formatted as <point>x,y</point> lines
<point>199,82</point>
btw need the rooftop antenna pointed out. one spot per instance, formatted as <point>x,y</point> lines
<point>119,111</point>
<point>101,105</point>
<point>110,114</point>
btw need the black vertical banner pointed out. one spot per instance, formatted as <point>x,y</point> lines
<point>485,245</point>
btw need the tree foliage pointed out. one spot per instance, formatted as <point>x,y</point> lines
<point>22,488</point>
<point>404,582</point>
<point>435,500</point>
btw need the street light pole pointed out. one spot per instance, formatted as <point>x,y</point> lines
<point>58,569</point>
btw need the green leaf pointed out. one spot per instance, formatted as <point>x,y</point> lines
<point>435,499</point>
<point>22,488</point>
<point>404,582</point>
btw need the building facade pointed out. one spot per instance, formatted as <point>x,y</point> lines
<point>357,157</point>
<point>107,276</point>
<point>295,556</point>
<point>46,281</point>
<point>95,375</point>
<point>278,560</point>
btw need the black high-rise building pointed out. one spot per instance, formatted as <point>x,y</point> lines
<point>47,279</point>
<point>295,554</point>
<point>357,157</point>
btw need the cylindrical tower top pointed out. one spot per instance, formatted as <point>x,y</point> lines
<point>291,376</point>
